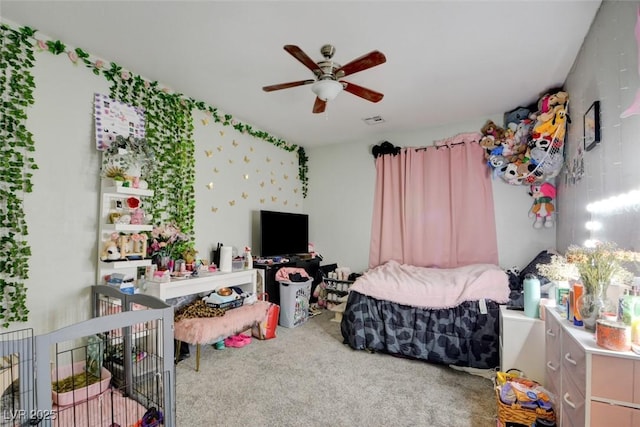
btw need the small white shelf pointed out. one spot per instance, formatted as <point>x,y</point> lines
<point>115,191</point>
<point>126,264</point>
<point>127,227</point>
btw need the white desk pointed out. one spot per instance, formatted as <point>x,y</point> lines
<point>245,279</point>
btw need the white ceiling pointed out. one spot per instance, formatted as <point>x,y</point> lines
<point>447,61</point>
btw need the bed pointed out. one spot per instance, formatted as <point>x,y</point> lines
<point>445,316</point>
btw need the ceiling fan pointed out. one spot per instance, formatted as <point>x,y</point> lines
<point>328,74</point>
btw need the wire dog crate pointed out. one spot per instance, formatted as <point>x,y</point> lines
<point>115,369</point>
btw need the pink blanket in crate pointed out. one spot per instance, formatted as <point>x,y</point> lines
<point>434,287</point>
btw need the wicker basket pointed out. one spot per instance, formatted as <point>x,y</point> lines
<point>515,413</point>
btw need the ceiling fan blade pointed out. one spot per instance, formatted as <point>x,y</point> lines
<point>362,92</point>
<point>369,60</point>
<point>297,53</point>
<point>286,85</point>
<point>319,105</point>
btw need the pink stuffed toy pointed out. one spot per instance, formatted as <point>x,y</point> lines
<point>543,195</point>
<point>137,216</point>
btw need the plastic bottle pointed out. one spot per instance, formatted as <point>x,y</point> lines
<point>531,286</point>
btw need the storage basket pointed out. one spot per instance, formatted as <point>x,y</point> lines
<point>294,303</point>
<point>515,413</point>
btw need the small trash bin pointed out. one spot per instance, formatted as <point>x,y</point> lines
<point>294,302</point>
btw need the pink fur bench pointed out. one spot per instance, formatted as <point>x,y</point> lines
<point>208,330</point>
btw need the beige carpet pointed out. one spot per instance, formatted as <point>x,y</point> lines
<point>307,377</point>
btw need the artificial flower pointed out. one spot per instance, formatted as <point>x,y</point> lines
<point>166,240</point>
<point>73,56</point>
<point>558,269</point>
<point>133,202</point>
<point>602,264</point>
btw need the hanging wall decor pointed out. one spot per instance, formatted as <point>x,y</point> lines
<point>592,126</point>
<point>114,118</point>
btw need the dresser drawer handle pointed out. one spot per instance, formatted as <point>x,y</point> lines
<point>550,366</point>
<point>568,358</point>
<point>550,333</point>
<point>568,402</point>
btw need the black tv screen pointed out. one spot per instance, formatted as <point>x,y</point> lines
<point>283,233</point>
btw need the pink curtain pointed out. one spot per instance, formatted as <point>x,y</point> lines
<point>433,207</point>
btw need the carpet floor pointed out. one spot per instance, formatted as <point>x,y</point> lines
<point>308,377</point>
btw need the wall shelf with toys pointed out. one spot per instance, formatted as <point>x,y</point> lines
<point>121,233</point>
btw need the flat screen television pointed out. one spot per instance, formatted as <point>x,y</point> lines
<point>283,233</point>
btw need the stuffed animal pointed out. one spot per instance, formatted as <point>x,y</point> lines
<point>497,163</point>
<point>514,117</point>
<point>555,124</point>
<point>548,104</point>
<point>137,217</point>
<point>523,130</point>
<point>490,128</point>
<point>110,251</point>
<point>520,172</point>
<point>542,208</point>
<point>489,143</point>
<point>540,141</point>
<point>513,151</point>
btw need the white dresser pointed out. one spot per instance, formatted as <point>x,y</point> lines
<point>595,387</point>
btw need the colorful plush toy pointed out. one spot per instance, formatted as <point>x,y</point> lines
<point>513,118</point>
<point>492,129</point>
<point>543,195</point>
<point>554,126</point>
<point>489,143</point>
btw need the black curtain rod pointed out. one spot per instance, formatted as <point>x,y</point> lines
<point>441,146</point>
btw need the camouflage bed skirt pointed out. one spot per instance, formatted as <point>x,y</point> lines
<point>461,336</point>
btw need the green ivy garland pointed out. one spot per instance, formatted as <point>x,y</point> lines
<point>16,164</point>
<point>169,124</point>
<point>169,131</point>
<point>133,85</point>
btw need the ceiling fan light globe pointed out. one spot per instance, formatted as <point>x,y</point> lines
<point>327,90</point>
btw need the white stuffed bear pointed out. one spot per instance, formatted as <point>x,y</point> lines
<point>110,252</point>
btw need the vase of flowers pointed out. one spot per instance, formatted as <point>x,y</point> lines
<point>595,306</point>
<point>165,242</point>
<point>601,265</point>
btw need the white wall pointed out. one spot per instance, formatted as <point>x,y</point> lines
<point>246,174</point>
<point>237,175</point>
<point>340,202</point>
<point>606,69</point>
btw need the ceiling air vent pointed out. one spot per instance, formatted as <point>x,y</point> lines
<point>375,120</point>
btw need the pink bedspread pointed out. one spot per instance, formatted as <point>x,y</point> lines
<point>434,287</point>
